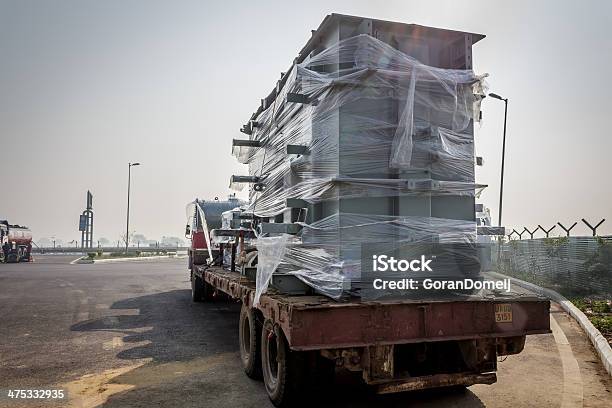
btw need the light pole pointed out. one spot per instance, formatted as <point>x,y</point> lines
<point>127,226</point>
<point>501,184</point>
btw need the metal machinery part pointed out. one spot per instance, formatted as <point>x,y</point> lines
<point>343,135</point>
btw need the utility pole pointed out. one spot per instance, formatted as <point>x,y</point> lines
<point>501,184</point>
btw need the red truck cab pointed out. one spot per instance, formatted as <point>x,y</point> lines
<point>202,217</point>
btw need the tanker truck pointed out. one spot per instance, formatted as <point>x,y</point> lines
<point>16,242</point>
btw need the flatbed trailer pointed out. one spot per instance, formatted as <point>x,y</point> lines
<point>397,345</point>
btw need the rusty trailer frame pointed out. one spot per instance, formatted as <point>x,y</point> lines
<point>316,322</point>
<point>365,336</point>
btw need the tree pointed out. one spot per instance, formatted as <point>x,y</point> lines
<point>45,242</point>
<point>127,239</point>
<point>138,238</point>
<point>172,242</point>
<point>104,241</point>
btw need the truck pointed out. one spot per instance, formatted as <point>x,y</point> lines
<point>367,138</point>
<point>15,242</point>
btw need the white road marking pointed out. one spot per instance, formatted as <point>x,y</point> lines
<point>572,379</point>
<point>116,342</point>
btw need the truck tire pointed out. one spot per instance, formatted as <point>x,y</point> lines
<point>281,367</point>
<point>201,290</point>
<point>249,335</point>
<point>197,288</point>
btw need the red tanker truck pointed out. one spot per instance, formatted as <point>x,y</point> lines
<point>16,242</point>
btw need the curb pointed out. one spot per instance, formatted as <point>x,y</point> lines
<point>599,341</point>
<point>81,260</point>
<point>85,260</point>
<point>132,259</point>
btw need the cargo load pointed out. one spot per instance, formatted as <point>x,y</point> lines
<point>363,149</point>
<point>368,137</point>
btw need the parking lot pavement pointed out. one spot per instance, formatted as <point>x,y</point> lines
<point>128,335</point>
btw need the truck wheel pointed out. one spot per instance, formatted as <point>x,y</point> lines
<point>281,367</point>
<point>249,334</point>
<point>197,288</point>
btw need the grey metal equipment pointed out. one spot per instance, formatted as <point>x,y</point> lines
<point>333,130</point>
<point>289,284</point>
<point>434,47</point>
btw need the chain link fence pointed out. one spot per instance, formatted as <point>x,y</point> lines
<point>572,266</point>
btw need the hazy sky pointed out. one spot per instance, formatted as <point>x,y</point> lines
<point>87,86</point>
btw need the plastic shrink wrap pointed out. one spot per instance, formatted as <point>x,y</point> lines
<point>361,142</point>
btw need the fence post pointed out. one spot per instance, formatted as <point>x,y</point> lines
<point>531,232</point>
<point>594,229</point>
<point>567,230</point>
<point>546,232</point>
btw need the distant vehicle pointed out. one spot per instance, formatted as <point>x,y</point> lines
<point>16,242</point>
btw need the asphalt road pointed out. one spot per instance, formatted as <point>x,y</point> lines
<point>127,335</point>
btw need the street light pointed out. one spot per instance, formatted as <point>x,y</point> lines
<point>127,227</point>
<point>501,185</point>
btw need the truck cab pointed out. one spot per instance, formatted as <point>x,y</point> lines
<point>202,217</point>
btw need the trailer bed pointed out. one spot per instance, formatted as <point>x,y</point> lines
<point>317,322</point>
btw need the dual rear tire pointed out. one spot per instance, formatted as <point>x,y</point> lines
<point>281,367</point>
<point>250,342</point>
<point>265,353</point>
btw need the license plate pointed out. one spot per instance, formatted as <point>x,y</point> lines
<point>503,313</point>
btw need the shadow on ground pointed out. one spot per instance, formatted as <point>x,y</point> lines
<point>191,360</point>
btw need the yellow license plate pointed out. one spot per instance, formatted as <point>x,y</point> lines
<point>503,313</point>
